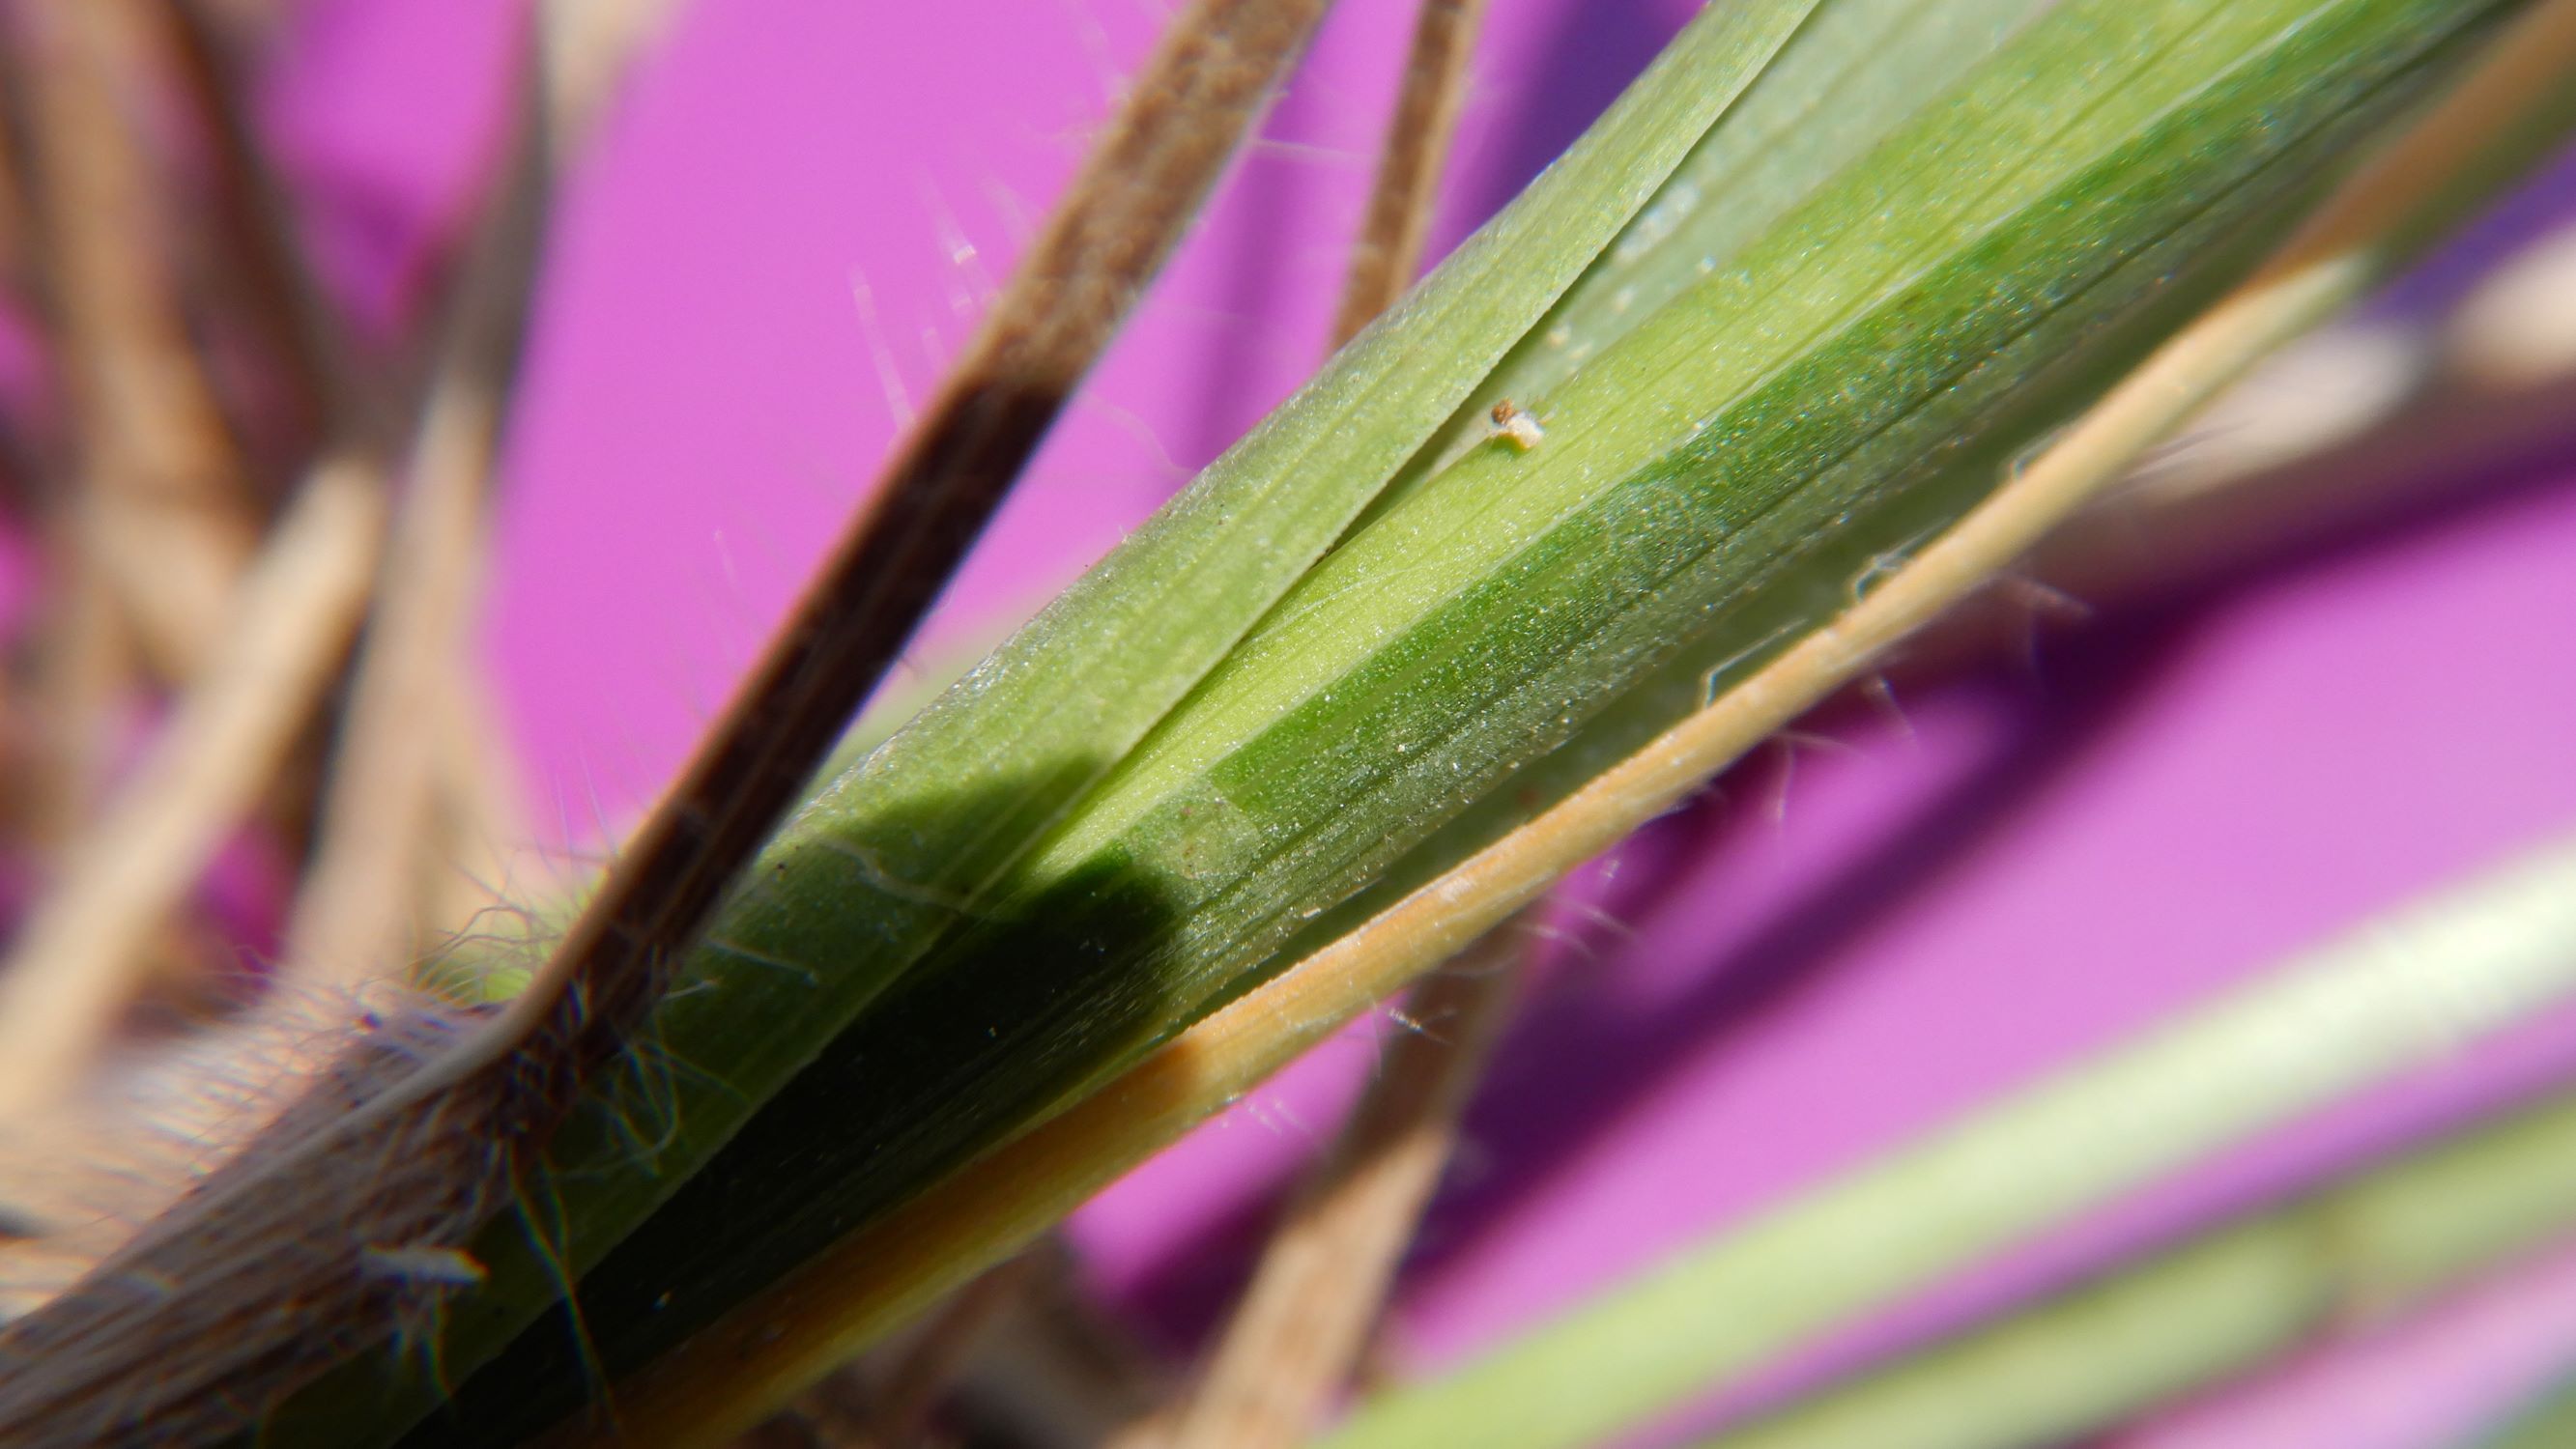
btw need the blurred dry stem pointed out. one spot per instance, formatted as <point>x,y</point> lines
<point>236,728</point>
<point>885,1400</point>
<point>18,244</point>
<point>359,906</point>
<point>419,804</point>
<point>900,1409</point>
<point>1298,1334</point>
<point>336,525</point>
<point>74,965</point>
<point>2216,509</point>
<point>302,329</point>
<point>167,514</point>
<point>2518,329</point>
<point>247,709</point>
<point>153,533</point>
<point>1057,1366</point>
<point>148,528</point>
<point>1388,251</point>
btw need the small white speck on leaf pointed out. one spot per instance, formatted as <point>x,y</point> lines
<point>1516,427</point>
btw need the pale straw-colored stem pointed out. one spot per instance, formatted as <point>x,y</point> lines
<point>1323,1276</point>
<point>80,958</point>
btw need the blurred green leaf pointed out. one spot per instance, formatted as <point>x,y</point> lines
<point>2379,1242</point>
<point>2392,995</point>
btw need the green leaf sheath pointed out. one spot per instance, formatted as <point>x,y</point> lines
<point>894,853</point>
<point>1881,337</point>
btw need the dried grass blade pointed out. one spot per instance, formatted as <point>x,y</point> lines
<point>1407,189</point>
<point>80,957</point>
<point>176,522</point>
<point>257,220</point>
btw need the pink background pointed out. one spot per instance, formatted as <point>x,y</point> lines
<point>1856,938</point>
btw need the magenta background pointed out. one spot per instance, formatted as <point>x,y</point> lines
<point>1858,937</point>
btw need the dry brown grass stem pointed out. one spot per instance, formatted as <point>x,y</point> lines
<point>251,701</point>
<point>252,706</point>
<point>302,328</point>
<point>408,754</point>
<point>1304,1322</point>
<point>147,524</point>
<point>886,1401</point>
<point>82,665</point>
<point>18,243</point>
<point>2182,527</point>
<point>79,959</point>
<point>356,916</point>
<point>175,523</point>
<point>151,538</point>
<point>1057,1363</point>
<point>1392,235</point>
<point>408,757</point>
